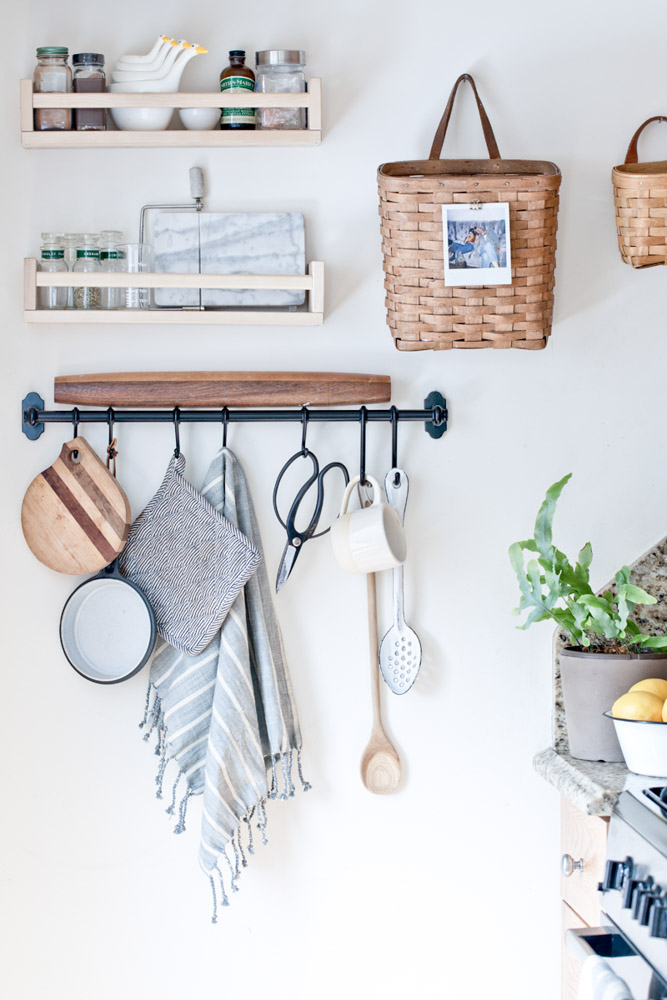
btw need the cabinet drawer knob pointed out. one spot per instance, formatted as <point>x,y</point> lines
<point>569,866</point>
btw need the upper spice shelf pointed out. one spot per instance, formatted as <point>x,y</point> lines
<point>111,138</point>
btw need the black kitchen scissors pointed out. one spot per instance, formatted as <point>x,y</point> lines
<point>295,538</point>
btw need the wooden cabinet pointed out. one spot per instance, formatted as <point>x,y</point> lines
<point>569,967</point>
<point>584,839</point>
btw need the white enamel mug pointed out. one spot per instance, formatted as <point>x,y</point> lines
<point>370,539</point>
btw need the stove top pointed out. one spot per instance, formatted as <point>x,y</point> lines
<point>657,798</point>
<point>633,893</point>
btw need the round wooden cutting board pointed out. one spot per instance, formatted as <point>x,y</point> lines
<point>75,516</point>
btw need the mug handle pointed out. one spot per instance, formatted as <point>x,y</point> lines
<point>350,487</point>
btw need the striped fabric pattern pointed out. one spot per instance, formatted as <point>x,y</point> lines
<point>227,716</point>
<point>189,560</point>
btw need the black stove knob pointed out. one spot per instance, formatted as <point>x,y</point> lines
<point>658,928</point>
<point>630,887</point>
<point>616,874</point>
<point>645,903</point>
<point>644,886</point>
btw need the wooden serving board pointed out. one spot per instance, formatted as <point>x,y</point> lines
<point>238,389</point>
<point>75,516</point>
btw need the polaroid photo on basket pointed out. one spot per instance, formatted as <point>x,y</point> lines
<point>477,244</point>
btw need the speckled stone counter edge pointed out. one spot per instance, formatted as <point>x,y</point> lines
<point>591,786</point>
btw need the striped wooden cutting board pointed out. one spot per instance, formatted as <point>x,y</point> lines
<point>75,516</point>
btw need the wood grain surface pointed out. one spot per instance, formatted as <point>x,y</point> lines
<point>583,838</point>
<point>138,389</point>
<point>75,516</point>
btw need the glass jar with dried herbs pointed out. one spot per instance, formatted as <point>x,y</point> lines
<point>87,262</point>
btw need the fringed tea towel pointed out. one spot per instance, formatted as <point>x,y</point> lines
<point>227,716</point>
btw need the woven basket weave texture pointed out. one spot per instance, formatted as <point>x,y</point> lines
<point>640,199</point>
<point>422,313</point>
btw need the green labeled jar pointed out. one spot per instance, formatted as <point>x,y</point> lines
<point>237,79</point>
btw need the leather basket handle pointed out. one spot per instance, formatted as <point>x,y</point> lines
<point>631,155</point>
<point>489,137</point>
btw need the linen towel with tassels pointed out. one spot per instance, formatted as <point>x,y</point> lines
<point>227,716</point>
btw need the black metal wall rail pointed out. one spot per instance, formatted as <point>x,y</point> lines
<point>34,416</point>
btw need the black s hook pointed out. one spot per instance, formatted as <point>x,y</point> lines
<point>394,444</point>
<point>225,422</point>
<point>111,446</point>
<point>363,418</point>
<point>304,430</point>
<point>177,434</point>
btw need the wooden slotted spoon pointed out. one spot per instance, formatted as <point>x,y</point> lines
<point>380,764</point>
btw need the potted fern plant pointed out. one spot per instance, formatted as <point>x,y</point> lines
<point>607,652</point>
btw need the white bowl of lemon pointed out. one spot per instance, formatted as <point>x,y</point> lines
<point>640,719</point>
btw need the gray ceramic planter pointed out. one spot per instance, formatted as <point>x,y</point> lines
<point>591,684</point>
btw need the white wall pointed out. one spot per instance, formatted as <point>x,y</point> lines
<point>449,888</point>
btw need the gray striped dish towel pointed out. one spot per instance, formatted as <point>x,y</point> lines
<point>227,716</point>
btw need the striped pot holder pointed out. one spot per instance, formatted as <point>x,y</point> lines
<point>189,560</point>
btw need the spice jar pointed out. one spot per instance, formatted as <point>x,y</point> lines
<point>111,262</point>
<point>281,71</point>
<point>70,242</point>
<point>237,79</point>
<point>52,76</point>
<point>89,78</point>
<point>87,261</point>
<point>52,260</point>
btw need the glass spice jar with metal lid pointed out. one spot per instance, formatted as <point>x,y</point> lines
<point>281,71</point>
<point>52,76</point>
<point>87,262</point>
<point>52,260</point>
<point>111,262</point>
<point>88,78</point>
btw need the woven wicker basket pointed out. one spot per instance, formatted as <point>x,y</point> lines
<point>640,197</point>
<point>422,313</point>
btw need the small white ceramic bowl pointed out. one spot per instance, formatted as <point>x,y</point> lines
<point>199,118</point>
<point>141,119</point>
<point>644,745</point>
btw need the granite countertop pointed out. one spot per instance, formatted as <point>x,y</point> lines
<point>593,786</point>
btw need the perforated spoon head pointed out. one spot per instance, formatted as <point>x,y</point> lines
<point>400,658</point>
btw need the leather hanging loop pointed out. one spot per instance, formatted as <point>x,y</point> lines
<point>489,137</point>
<point>631,155</point>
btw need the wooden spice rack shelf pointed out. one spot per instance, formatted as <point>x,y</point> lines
<point>184,138</point>
<point>312,283</point>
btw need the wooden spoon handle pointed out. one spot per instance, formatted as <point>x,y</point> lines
<point>373,649</point>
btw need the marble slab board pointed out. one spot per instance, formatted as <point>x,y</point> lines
<point>229,243</point>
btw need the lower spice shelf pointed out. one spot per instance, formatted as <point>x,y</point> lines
<point>311,315</point>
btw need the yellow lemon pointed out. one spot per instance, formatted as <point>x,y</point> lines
<point>638,705</point>
<point>664,712</point>
<point>653,684</point>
